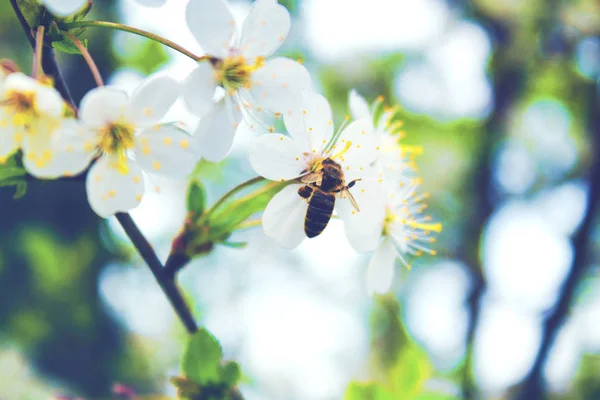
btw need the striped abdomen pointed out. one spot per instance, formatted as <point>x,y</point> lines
<point>320,208</point>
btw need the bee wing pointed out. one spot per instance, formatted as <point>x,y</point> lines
<point>314,177</point>
<point>346,193</point>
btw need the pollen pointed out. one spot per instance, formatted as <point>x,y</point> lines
<point>88,146</point>
<point>137,179</point>
<point>272,129</point>
<point>112,193</point>
<point>297,158</point>
<point>138,198</point>
<point>3,123</point>
<point>98,178</point>
<point>156,165</point>
<point>330,122</point>
<point>146,150</point>
<point>147,111</point>
<point>304,112</point>
<point>167,141</point>
<point>281,138</point>
<point>184,144</point>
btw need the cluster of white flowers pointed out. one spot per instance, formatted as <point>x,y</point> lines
<point>360,172</point>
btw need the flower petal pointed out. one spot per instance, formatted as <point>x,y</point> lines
<point>213,137</point>
<point>165,150</point>
<point>151,101</point>
<point>381,270</point>
<point>72,149</point>
<point>198,89</point>
<point>283,219</point>
<point>311,124</point>
<point>63,8</point>
<point>212,24</point>
<point>277,157</point>
<point>110,190</point>
<point>278,85</point>
<point>265,29</point>
<point>358,105</point>
<point>363,228</point>
<point>8,135</point>
<point>361,143</point>
<point>104,105</point>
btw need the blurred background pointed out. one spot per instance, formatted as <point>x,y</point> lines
<point>503,96</point>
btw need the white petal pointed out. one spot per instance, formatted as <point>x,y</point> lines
<point>363,144</point>
<point>278,85</point>
<point>103,105</point>
<point>380,273</point>
<point>265,29</point>
<point>165,150</point>
<point>110,191</point>
<point>49,101</point>
<point>212,24</point>
<point>358,105</point>
<point>20,82</point>
<point>153,99</point>
<point>152,3</point>
<point>277,157</point>
<point>63,8</point>
<point>363,228</point>
<point>199,89</point>
<point>8,142</point>
<point>312,124</point>
<point>214,136</point>
<point>72,149</point>
<point>283,219</point>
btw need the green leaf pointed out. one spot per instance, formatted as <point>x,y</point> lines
<point>436,396</point>
<point>411,371</point>
<point>196,198</point>
<point>62,43</point>
<point>202,358</point>
<point>225,220</point>
<point>235,245</point>
<point>13,174</point>
<point>231,373</point>
<point>367,391</point>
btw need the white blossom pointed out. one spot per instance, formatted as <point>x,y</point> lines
<point>251,84</point>
<point>124,134</point>
<point>29,112</point>
<point>403,231</point>
<point>311,141</point>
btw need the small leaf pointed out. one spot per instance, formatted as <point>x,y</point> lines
<point>202,358</point>
<point>65,45</point>
<point>32,11</point>
<point>13,174</point>
<point>196,198</point>
<point>230,373</point>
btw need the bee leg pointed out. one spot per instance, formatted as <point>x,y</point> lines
<point>353,183</point>
<point>305,192</point>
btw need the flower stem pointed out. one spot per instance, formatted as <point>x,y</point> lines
<point>36,68</point>
<point>140,32</point>
<point>233,192</point>
<point>88,58</point>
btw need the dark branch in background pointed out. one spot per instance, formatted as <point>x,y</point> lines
<point>142,245</point>
<point>507,83</point>
<point>533,385</point>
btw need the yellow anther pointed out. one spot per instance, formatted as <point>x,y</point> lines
<point>156,165</point>
<point>138,198</point>
<point>137,179</point>
<point>184,144</point>
<point>167,141</point>
<point>146,150</point>
<point>147,111</point>
<point>112,193</point>
<point>346,148</point>
<point>426,227</point>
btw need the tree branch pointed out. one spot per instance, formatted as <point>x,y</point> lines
<point>533,385</point>
<point>168,285</point>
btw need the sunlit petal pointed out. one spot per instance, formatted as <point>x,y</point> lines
<point>313,121</point>
<point>358,105</point>
<point>277,157</point>
<point>212,24</point>
<point>283,219</point>
<point>153,99</point>
<point>198,89</point>
<point>265,28</point>
<point>380,273</point>
<point>165,150</point>
<point>214,136</point>
<point>104,105</point>
<point>111,189</point>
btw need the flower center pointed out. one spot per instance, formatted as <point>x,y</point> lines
<point>234,72</point>
<point>115,138</point>
<point>21,105</point>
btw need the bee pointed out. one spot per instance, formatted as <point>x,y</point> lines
<point>320,193</point>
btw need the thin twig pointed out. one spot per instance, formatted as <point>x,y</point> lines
<point>168,286</point>
<point>88,58</point>
<point>140,32</point>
